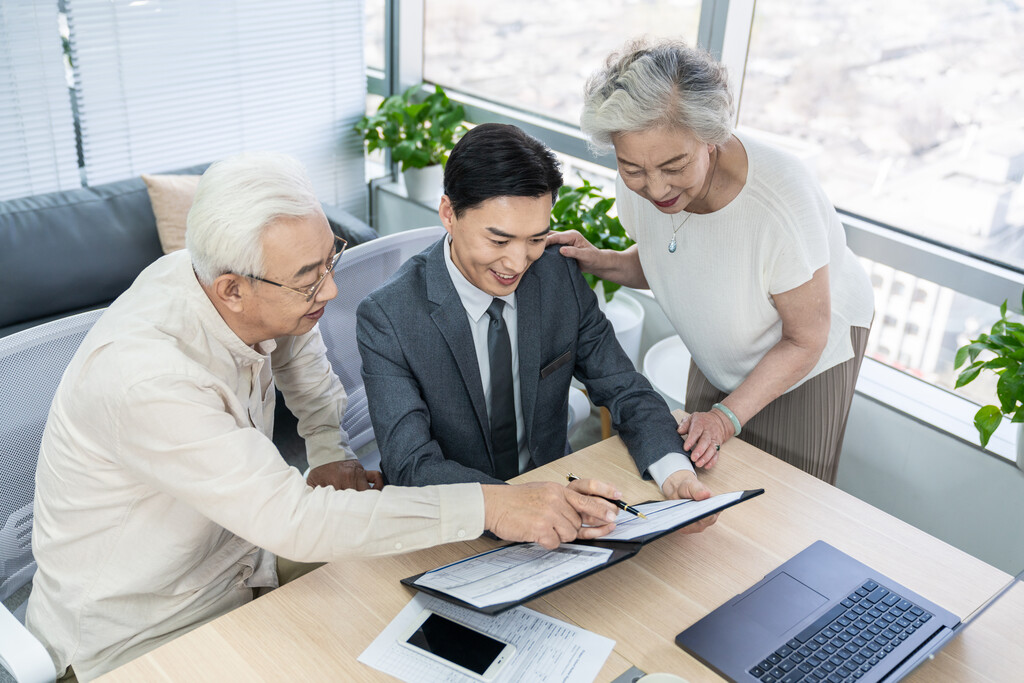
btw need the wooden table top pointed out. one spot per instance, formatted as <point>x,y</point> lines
<point>315,627</point>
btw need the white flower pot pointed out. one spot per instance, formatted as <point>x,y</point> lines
<point>626,315</point>
<point>425,185</point>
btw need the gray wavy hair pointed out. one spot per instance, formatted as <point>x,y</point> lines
<point>645,86</point>
<point>236,200</point>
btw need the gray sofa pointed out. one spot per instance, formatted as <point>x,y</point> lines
<point>66,252</point>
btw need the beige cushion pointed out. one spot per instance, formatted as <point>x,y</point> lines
<point>171,197</point>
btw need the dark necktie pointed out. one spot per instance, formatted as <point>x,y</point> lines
<point>503,402</point>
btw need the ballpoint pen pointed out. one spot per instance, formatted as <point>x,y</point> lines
<point>617,503</point>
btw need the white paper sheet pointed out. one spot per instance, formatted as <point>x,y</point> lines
<point>512,573</point>
<point>664,514</point>
<point>547,650</point>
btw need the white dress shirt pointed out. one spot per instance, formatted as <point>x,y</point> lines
<point>476,301</point>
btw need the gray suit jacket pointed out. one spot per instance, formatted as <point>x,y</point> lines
<point>423,382</point>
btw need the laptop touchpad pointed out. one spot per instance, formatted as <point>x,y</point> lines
<point>779,604</point>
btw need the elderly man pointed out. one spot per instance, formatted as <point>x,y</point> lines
<point>160,499</point>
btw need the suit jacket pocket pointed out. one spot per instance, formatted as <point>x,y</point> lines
<point>555,364</point>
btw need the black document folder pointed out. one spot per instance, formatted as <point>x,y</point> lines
<point>499,579</point>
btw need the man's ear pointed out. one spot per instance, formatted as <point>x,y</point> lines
<point>227,288</point>
<point>447,213</point>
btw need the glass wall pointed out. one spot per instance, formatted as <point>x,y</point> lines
<point>912,112</point>
<point>373,35</point>
<point>536,54</point>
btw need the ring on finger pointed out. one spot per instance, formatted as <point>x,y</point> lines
<point>718,447</point>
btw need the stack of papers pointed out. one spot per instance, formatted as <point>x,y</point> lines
<point>547,650</point>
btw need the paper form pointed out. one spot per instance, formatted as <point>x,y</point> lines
<point>547,650</point>
<point>512,573</point>
<point>664,514</point>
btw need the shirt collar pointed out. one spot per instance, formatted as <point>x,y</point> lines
<point>475,300</point>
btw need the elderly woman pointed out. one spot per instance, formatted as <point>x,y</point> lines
<point>742,250</point>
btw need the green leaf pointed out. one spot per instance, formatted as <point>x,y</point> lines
<point>961,356</point>
<point>1010,391</point>
<point>1000,363</point>
<point>1002,311</point>
<point>986,421</point>
<point>967,376</point>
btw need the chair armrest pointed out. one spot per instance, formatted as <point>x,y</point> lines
<point>21,654</point>
<point>347,226</point>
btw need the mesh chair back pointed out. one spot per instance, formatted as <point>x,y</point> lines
<point>32,363</point>
<point>361,270</point>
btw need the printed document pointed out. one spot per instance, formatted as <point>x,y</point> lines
<point>547,650</point>
<point>512,573</point>
<point>664,514</point>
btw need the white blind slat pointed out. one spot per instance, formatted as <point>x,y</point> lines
<point>193,81</point>
<point>37,134</point>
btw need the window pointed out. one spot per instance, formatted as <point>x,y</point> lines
<point>946,163</point>
<point>166,85</point>
<point>37,134</point>
<point>374,34</point>
<point>537,54</point>
<point>921,337</point>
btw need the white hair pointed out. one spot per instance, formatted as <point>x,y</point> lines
<point>236,200</point>
<point>647,86</point>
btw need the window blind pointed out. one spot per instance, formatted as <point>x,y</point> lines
<point>37,133</point>
<point>162,85</point>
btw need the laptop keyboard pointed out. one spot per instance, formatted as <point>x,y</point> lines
<point>845,642</point>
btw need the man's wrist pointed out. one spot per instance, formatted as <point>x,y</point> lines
<point>670,463</point>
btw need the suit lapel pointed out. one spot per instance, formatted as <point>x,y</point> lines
<point>528,333</point>
<point>450,318</point>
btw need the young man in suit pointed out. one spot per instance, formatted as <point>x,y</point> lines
<point>469,350</point>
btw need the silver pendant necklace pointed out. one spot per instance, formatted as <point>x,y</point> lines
<point>672,243</point>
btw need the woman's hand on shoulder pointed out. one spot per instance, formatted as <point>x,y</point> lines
<point>576,246</point>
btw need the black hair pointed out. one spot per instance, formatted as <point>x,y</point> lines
<point>499,160</point>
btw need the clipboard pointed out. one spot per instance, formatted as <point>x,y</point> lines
<point>502,560</point>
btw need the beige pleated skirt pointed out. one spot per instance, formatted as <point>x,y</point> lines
<point>805,426</point>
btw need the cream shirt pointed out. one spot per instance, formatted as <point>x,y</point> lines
<point>160,499</point>
<point>717,288</point>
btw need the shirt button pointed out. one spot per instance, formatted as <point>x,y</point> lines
<point>462,533</point>
<point>398,546</point>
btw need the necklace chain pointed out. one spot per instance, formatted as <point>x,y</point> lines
<point>672,243</point>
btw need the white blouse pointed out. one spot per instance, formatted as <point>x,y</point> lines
<point>716,289</point>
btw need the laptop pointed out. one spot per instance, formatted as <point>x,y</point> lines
<point>823,616</point>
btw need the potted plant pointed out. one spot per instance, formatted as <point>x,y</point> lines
<point>420,134</point>
<point>1003,347</point>
<point>585,208</point>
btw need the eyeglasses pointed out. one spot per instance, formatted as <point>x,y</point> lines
<point>309,292</point>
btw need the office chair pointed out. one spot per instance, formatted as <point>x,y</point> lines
<point>32,363</point>
<point>361,270</point>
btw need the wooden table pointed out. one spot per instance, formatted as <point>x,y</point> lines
<point>315,628</point>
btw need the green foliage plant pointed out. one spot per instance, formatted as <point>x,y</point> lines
<point>1005,341</point>
<point>585,209</point>
<point>418,133</point>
